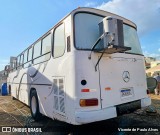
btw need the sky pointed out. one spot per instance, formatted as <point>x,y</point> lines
<point>23,21</point>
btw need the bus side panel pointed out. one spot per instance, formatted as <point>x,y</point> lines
<point>85,70</point>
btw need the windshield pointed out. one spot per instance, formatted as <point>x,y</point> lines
<point>87,32</point>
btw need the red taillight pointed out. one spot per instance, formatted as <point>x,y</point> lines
<point>84,90</point>
<point>88,102</point>
<point>148,92</point>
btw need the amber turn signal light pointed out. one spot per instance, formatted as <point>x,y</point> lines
<point>88,102</point>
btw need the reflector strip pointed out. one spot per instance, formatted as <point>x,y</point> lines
<point>108,88</point>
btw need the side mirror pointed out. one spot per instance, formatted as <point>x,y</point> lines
<point>151,84</point>
<point>113,39</point>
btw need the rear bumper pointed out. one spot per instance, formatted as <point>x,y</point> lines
<point>83,117</point>
<point>98,115</point>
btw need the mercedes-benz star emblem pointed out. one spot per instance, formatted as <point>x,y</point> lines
<point>126,76</point>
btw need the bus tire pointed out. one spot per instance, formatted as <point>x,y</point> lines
<point>34,106</point>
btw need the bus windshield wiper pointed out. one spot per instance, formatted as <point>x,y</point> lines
<point>95,44</point>
<point>99,60</point>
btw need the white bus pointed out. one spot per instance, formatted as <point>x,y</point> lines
<point>89,67</point>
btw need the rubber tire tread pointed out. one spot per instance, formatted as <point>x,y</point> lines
<point>37,116</point>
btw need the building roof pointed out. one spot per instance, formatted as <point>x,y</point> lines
<point>153,69</point>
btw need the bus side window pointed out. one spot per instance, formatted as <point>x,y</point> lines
<point>29,57</point>
<point>37,49</point>
<point>37,52</point>
<point>18,61</point>
<point>25,59</point>
<point>30,54</point>
<point>46,44</point>
<point>59,41</point>
<point>14,64</point>
<point>46,48</point>
<point>41,50</point>
<point>21,61</point>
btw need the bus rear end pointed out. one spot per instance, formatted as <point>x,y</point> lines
<point>110,73</point>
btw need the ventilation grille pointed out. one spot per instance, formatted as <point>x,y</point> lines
<point>62,109</point>
<point>55,86</point>
<point>56,102</point>
<point>61,87</point>
<point>59,101</point>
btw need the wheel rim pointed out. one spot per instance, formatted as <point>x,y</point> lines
<point>33,105</point>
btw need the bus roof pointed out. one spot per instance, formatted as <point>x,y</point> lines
<point>103,13</point>
<point>87,10</point>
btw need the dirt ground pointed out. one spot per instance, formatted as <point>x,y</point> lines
<point>16,114</point>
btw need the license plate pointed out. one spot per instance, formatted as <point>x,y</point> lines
<point>126,93</point>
